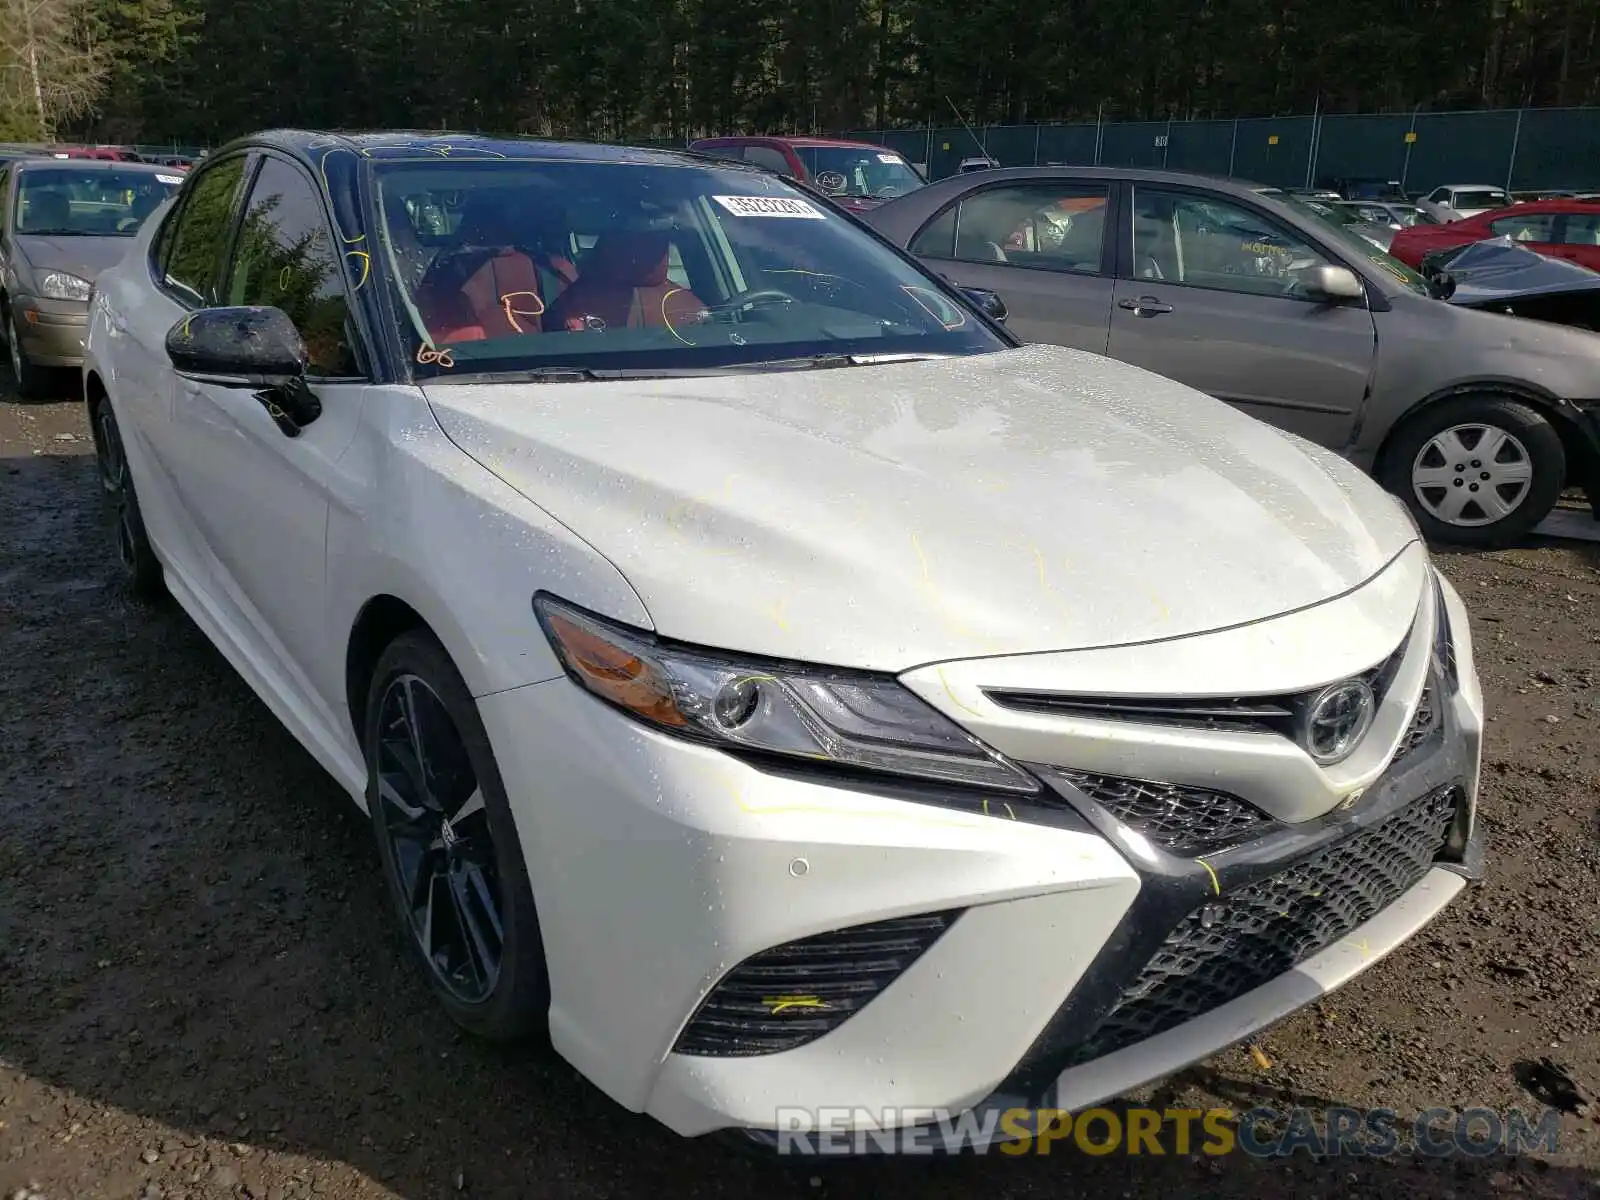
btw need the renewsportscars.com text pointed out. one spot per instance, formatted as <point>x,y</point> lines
<point>1151,1132</point>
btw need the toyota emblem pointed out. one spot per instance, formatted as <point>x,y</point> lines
<point>1336,719</point>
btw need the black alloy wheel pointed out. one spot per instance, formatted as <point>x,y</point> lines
<point>141,570</point>
<point>449,845</point>
<point>440,841</point>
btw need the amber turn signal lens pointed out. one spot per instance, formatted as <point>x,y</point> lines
<point>613,673</point>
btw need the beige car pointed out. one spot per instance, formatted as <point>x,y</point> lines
<point>63,222</point>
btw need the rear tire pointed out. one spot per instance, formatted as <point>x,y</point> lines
<point>448,845</point>
<point>1476,470</point>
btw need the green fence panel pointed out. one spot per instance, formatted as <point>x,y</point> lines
<point>1134,143</point>
<point>1203,146</point>
<point>1359,147</point>
<point>1067,145</point>
<point>950,145</point>
<point>1011,145</point>
<point>1273,150</point>
<point>1460,147</point>
<point>1558,148</point>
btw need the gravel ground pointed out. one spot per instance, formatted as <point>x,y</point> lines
<point>200,995</point>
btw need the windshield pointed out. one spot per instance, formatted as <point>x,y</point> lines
<point>74,202</point>
<point>869,171</point>
<point>1481,198</point>
<point>1415,216</point>
<point>517,266</point>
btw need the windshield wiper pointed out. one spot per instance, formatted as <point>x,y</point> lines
<point>819,362</point>
<point>574,374</point>
<point>814,362</point>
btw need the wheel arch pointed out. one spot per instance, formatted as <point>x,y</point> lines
<point>1583,457</point>
<point>382,618</point>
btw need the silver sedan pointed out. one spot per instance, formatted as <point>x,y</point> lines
<point>1476,420</point>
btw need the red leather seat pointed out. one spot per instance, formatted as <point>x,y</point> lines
<point>623,285</point>
<point>502,296</point>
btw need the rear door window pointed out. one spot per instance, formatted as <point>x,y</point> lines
<point>1533,227</point>
<point>1047,226</point>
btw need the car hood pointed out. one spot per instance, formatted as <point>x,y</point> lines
<point>84,257</point>
<point>887,516</point>
<point>1499,269</point>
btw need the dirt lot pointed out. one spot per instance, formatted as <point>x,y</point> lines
<point>200,995</point>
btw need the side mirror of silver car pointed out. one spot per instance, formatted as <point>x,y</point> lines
<point>1334,285</point>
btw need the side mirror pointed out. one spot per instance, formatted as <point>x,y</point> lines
<point>1334,285</point>
<point>257,348</point>
<point>989,303</point>
<point>237,347</point>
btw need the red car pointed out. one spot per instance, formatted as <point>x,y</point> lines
<point>104,153</point>
<point>859,175</point>
<point>1559,228</point>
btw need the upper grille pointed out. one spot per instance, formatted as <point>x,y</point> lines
<point>1183,820</point>
<point>1239,941</point>
<point>792,994</point>
<point>1275,714</point>
<point>1421,726</point>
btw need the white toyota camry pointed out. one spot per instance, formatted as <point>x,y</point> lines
<point>763,674</point>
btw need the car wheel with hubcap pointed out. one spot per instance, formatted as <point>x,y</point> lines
<point>33,383</point>
<point>141,569</point>
<point>449,845</point>
<point>1478,470</point>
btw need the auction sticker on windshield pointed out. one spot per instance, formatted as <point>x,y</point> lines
<point>175,180</point>
<point>769,206</point>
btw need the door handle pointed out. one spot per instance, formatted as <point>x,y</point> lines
<point>1144,306</point>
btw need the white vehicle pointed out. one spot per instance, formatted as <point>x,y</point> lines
<point>979,163</point>
<point>1456,201</point>
<point>762,674</point>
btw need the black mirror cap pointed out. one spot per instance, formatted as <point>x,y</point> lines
<point>250,345</point>
<point>989,303</point>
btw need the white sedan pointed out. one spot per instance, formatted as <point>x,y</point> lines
<point>763,675</point>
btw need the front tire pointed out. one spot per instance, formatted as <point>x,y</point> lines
<point>448,844</point>
<point>141,569</point>
<point>1478,470</point>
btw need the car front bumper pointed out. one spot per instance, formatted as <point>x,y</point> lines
<point>52,331</point>
<point>662,869</point>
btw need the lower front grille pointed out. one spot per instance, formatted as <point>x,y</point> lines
<point>1182,820</point>
<point>794,993</point>
<point>1422,724</point>
<point>1236,942</point>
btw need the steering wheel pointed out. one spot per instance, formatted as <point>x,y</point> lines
<point>748,301</point>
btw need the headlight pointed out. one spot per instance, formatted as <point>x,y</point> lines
<point>58,285</point>
<point>847,719</point>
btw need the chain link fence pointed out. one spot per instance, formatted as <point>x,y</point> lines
<point>1520,149</point>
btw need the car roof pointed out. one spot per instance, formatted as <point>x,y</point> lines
<point>1472,187</point>
<point>1243,188</point>
<point>439,145</point>
<point>739,139</point>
